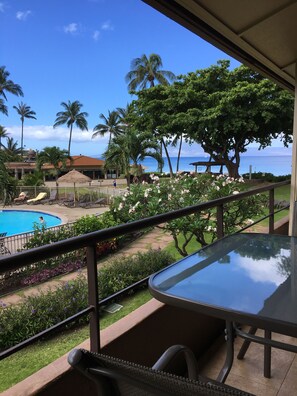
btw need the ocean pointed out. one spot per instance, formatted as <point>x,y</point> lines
<point>277,165</point>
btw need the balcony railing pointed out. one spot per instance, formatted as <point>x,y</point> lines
<point>89,241</point>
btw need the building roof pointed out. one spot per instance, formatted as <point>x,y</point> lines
<point>83,160</point>
<point>261,34</point>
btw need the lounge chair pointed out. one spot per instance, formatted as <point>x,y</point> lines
<point>68,200</point>
<point>3,248</point>
<point>114,376</point>
<point>37,199</point>
<point>98,202</point>
<point>22,198</point>
<point>52,198</point>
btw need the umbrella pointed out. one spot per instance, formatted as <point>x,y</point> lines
<point>74,177</point>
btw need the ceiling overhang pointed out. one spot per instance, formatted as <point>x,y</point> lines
<point>259,33</point>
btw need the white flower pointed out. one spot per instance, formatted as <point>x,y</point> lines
<point>121,205</point>
<point>235,192</point>
<point>169,197</point>
<point>218,188</point>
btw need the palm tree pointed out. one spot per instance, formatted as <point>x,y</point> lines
<point>24,111</point>
<point>130,146</point>
<point>7,183</point>
<point>112,125</point>
<point>11,150</point>
<point>54,156</point>
<point>70,116</point>
<point>3,107</point>
<point>8,85</point>
<point>145,71</point>
<point>3,134</point>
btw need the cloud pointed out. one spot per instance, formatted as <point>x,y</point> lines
<point>107,26</point>
<point>47,132</point>
<point>2,7</point>
<point>23,15</point>
<point>72,28</point>
<point>96,35</point>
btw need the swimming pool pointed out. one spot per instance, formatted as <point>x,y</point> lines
<point>19,221</point>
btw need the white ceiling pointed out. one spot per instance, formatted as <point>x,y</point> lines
<point>259,33</point>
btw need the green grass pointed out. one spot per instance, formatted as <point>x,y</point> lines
<point>22,364</point>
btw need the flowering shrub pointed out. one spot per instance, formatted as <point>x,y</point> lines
<point>147,200</point>
<point>46,269</point>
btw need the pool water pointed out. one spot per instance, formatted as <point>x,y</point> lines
<point>19,221</point>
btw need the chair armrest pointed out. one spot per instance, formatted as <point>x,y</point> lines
<point>174,351</point>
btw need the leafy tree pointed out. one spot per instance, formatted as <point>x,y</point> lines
<point>112,125</point>
<point>72,115</point>
<point>131,146</point>
<point>3,134</point>
<point>182,191</point>
<point>11,151</point>
<point>33,179</point>
<point>8,86</point>
<point>7,183</point>
<point>54,156</point>
<point>222,110</point>
<point>145,71</point>
<point>3,107</point>
<point>24,111</point>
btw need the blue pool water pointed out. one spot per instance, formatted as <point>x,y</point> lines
<point>19,221</point>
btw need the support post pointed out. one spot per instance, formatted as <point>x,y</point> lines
<point>93,299</point>
<point>293,198</point>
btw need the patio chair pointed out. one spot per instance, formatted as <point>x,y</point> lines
<point>37,199</point>
<point>52,198</point>
<point>22,198</point>
<point>98,202</point>
<point>114,376</point>
<point>68,200</point>
<point>3,248</point>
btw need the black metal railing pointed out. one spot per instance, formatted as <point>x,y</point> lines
<point>89,241</point>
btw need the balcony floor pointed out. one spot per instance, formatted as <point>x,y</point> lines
<point>247,374</point>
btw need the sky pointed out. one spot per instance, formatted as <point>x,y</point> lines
<point>67,50</point>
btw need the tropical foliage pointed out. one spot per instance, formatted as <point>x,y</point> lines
<point>72,115</point>
<point>146,70</point>
<point>24,111</point>
<point>54,156</point>
<point>222,110</point>
<point>7,183</point>
<point>7,85</point>
<point>112,125</point>
<point>186,190</point>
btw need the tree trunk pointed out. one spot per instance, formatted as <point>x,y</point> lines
<point>22,138</point>
<point>168,158</point>
<point>70,137</point>
<point>233,169</point>
<point>179,151</point>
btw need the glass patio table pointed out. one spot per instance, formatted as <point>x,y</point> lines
<point>245,278</point>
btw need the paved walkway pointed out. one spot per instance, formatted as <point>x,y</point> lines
<point>154,239</point>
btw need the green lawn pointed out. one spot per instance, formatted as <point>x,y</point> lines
<point>31,359</point>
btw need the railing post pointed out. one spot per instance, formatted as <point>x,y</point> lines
<point>271,211</point>
<point>93,299</point>
<point>220,221</point>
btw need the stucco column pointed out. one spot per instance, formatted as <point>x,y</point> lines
<point>293,198</point>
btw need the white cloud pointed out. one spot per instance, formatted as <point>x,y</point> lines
<point>2,7</point>
<point>72,28</point>
<point>107,26</point>
<point>23,15</point>
<point>96,35</point>
<point>47,132</point>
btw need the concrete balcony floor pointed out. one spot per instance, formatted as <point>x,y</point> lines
<point>247,374</point>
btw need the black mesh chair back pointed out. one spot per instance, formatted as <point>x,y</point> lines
<point>114,376</point>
